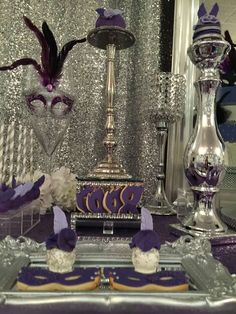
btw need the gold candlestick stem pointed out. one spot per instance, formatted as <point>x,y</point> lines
<point>109,140</point>
<point>110,38</point>
<point>109,167</point>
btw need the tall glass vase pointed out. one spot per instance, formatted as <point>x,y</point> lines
<point>204,158</point>
<point>49,113</point>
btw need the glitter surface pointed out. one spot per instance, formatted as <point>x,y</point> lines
<point>84,77</point>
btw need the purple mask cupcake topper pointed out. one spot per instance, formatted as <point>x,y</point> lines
<point>147,238</point>
<point>146,220</point>
<point>63,237</point>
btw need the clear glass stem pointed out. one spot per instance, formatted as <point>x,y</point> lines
<point>160,205</point>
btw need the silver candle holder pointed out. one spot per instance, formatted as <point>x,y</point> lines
<point>110,39</point>
<point>204,158</point>
<point>167,107</point>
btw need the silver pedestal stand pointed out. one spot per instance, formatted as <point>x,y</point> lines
<point>204,159</point>
<point>169,106</point>
<point>110,39</point>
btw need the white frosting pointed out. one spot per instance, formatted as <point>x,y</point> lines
<point>145,262</point>
<point>60,261</point>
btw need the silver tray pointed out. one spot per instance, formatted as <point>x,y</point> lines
<point>207,277</point>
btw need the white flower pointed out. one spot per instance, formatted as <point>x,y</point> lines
<point>64,187</point>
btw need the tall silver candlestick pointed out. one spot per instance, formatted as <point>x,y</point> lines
<point>204,159</point>
<point>167,106</point>
<point>111,39</point>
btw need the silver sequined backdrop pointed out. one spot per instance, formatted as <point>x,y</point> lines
<point>84,75</point>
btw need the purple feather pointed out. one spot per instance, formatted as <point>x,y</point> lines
<point>7,195</point>
<point>23,61</point>
<point>52,48</point>
<point>42,41</point>
<point>201,11</point>
<point>60,221</point>
<point>63,54</point>
<point>100,11</point>
<point>146,220</point>
<point>214,10</point>
<point>66,240</point>
<point>51,242</point>
<point>51,62</point>
<point>146,240</point>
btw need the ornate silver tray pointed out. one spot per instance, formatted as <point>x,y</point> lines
<point>208,279</point>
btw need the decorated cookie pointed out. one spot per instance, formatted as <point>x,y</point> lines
<point>127,279</point>
<point>110,17</point>
<point>111,200</point>
<point>81,198</point>
<point>39,279</point>
<point>145,246</point>
<point>61,244</point>
<point>94,201</point>
<point>130,197</point>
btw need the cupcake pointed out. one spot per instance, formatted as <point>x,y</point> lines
<point>110,17</point>
<point>61,244</point>
<point>145,246</point>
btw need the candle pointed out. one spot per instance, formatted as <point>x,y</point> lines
<point>24,154</point>
<point>19,155</point>
<point>31,154</point>
<point>11,144</point>
<point>1,150</point>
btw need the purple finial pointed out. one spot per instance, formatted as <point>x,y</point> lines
<point>146,220</point>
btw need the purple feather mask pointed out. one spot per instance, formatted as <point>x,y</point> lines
<point>52,60</point>
<point>146,239</point>
<point>63,238</point>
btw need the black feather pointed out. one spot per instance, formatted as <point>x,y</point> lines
<point>64,52</point>
<point>23,61</point>
<point>42,41</point>
<point>50,39</point>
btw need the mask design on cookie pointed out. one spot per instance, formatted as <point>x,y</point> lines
<point>208,24</point>
<point>145,246</point>
<point>61,244</point>
<point>94,201</point>
<point>110,17</point>
<point>130,197</point>
<point>111,201</point>
<point>81,197</point>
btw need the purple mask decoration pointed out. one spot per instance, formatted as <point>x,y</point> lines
<point>52,61</point>
<point>63,238</point>
<point>147,238</point>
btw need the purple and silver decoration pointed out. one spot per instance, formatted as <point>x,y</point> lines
<point>145,246</point>
<point>49,108</point>
<point>61,244</point>
<point>204,158</point>
<point>15,196</point>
